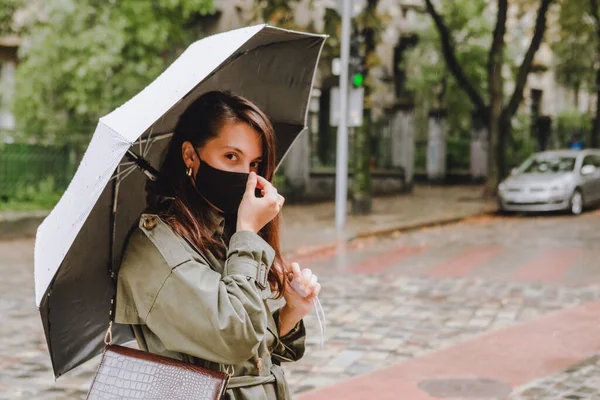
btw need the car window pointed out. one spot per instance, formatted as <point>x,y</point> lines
<point>593,160</point>
<point>548,164</point>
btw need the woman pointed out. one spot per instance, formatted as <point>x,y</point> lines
<point>196,273</point>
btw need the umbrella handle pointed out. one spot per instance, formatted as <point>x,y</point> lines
<point>143,165</point>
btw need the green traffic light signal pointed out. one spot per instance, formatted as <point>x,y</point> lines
<point>357,80</point>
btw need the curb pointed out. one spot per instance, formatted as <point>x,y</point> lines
<point>331,246</point>
<point>419,225</point>
<point>15,225</point>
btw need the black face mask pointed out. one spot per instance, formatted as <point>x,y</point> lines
<point>223,189</point>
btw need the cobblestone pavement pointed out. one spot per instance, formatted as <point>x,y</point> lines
<point>579,382</point>
<point>377,321</point>
<point>386,300</point>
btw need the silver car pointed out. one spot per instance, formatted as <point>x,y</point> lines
<point>552,181</point>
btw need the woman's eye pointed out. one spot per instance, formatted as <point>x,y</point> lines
<point>255,164</point>
<point>232,157</point>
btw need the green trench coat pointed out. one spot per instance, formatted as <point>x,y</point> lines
<point>207,311</point>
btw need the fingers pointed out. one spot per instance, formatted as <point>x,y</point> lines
<point>306,274</point>
<point>266,186</point>
<point>269,192</point>
<point>317,289</point>
<point>309,283</point>
<point>251,184</point>
<point>296,272</point>
<point>312,285</point>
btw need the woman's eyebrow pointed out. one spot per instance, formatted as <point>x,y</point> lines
<point>240,151</point>
<point>235,149</point>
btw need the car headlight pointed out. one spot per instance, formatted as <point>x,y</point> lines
<point>502,187</point>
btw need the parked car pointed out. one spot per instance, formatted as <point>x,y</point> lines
<point>552,181</point>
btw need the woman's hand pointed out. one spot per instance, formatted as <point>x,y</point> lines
<point>297,307</point>
<point>256,212</point>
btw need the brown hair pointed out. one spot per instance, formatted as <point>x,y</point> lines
<point>173,196</point>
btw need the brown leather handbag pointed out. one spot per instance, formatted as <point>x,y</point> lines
<point>126,373</point>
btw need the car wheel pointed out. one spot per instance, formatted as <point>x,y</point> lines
<point>576,203</point>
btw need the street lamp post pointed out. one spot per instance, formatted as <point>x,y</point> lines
<point>341,181</point>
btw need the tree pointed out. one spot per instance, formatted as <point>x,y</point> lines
<point>369,27</point>
<point>575,46</point>
<point>279,13</point>
<point>8,8</point>
<point>494,111</point>
<point>595,13</point>
<point>578,52</point>
<point>83,58</point>
<point>429,82</point>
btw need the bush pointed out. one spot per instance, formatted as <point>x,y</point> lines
<point>42,196</point>
<point>569,123</point>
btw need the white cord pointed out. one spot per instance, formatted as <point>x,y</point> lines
<point>321,319</point>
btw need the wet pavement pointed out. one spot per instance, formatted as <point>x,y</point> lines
<point>388,301</point>
<point>306,226</point>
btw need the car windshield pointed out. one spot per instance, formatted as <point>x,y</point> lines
<point>548,165</point>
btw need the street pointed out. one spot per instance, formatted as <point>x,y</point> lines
<point>405,302</point>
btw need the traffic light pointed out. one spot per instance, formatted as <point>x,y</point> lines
<point>357,79</point>
<point>355,67</point>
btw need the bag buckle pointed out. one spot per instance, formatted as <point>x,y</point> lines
<point>108,338</point>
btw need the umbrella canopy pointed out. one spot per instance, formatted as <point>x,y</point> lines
<point>81,241</point>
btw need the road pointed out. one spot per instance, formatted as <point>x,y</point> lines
<point>409,300</point>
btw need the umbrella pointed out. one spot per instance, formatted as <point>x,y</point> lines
<point>79,244</point>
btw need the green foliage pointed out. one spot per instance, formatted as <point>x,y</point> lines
<point>521,144</point>
<point>458,154</point>
<point>41,196</point>
<point>575,45</point>
<point>83,58</point>
<point>427,75</point>
<point>279,13</point>
<point>569,123</point>
<point>8,9</point>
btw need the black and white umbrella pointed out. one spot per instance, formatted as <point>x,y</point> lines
<point>79,244</point>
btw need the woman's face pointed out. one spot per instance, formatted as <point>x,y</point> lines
<point>237,148</point>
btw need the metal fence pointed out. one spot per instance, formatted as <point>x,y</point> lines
<point>27,166</point>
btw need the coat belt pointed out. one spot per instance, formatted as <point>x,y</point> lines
<point>249,381</point>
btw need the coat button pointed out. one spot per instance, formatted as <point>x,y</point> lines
<point>259,364</point>
<point>150,222</point>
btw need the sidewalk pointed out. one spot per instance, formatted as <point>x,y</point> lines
<point>491,365</point>
<point>310,227</point>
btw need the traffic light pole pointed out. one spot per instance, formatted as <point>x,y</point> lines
<point>341,180</point>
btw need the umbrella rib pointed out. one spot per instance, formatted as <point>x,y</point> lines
<point>123,174</point>
<point>148,147</point>
<point>126,173</point>
<point>145,150</point>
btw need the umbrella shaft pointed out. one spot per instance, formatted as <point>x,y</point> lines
<point>143,165</point>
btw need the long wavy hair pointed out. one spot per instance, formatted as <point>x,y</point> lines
<point>175,199</point>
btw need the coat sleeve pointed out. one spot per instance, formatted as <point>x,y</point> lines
<point>217,318</point>
<point>291,346</point>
